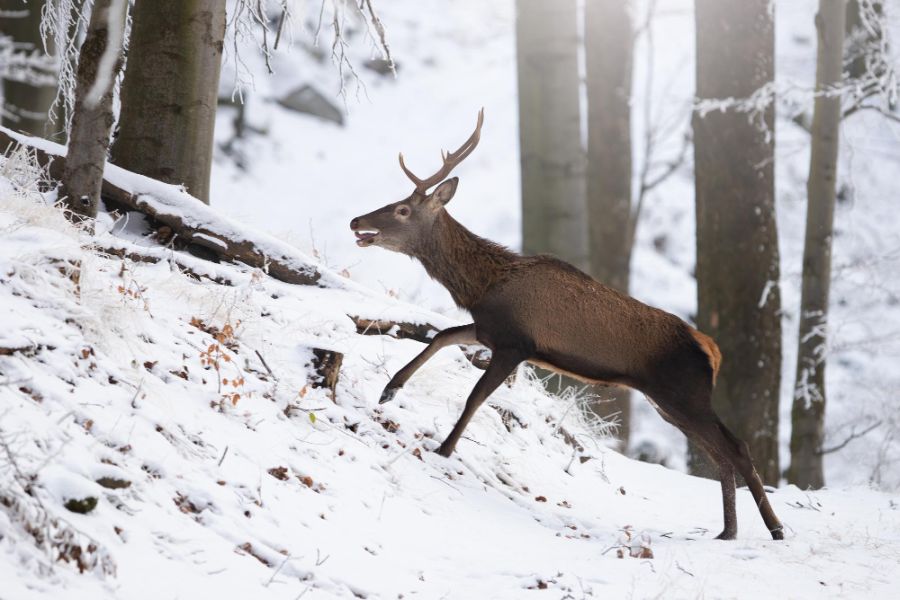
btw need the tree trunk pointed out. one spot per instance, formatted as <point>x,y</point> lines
<point>609,46</point>
<point>808,411</point>
<point>552,156</point>
<point>99,62</point>
<point>28,96</point>
<point>169,92</point>
<point>739,303</point>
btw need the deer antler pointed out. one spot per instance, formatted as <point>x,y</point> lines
<point>451,159</point>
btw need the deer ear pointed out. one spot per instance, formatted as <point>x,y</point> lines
<point>444,192</point>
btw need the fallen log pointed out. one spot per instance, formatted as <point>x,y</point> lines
<point>189,220</point>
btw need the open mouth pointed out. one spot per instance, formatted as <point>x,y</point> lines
<point>365,237</point>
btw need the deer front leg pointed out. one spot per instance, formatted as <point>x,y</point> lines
<point>502,364</point>
<point>464,334</point>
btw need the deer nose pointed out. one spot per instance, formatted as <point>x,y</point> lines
<point>354,223</point>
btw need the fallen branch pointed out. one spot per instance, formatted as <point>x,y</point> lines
<point>420,332</point>
<point>192,222</point>
<point>136,256</point>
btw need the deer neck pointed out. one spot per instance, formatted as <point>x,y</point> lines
<point>465,264</point>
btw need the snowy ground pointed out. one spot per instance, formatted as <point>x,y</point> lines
<point>304,180</point>
<point>288,493</point>
<point>283,492</point>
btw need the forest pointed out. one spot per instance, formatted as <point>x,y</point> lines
<point>655,285</point>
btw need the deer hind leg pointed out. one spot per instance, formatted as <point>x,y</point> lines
<point>738,454</point>
<point>464,334</point>
<point>699,424</point>
<point>726,478</point>
<point>502,364</point>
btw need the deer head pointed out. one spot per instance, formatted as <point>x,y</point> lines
<point>401,225</point>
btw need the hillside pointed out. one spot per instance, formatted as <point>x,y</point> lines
<point>304,179</point>
<point>175,400</point>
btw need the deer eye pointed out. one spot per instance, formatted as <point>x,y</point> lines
<point>402,211</point>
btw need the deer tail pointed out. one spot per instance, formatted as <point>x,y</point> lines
<point>711,350</point>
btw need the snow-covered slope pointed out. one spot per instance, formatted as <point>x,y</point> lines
<point>304,179</point>
<point>139,391</point>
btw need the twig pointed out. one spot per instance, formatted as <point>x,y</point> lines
<point>882,111</point>
<point>136,393</point>
<point>224,454</point>
<point>319,560</point>
<point>281,20</point>
<point>277,571</point>
<point>853,435</point>
<point>263,361</point>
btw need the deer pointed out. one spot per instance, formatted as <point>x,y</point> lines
<point>544,311</point>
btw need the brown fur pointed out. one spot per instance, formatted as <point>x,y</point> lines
<point>545,311</point>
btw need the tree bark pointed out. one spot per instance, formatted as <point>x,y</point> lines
<point>739,303</point>
<point>169,92</point>
<point>609,49</point>
<point>808,411</point>
<point>27,103</point>
<point>552,157</point>
<point>92,117</point>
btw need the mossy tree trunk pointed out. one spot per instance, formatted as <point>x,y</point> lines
<point>739,303</point>
<point>169,92</point>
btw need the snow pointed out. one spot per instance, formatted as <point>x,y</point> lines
<point>287,493</point>
<point>456,58</point>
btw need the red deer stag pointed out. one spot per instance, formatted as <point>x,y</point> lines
<point>542,310</point>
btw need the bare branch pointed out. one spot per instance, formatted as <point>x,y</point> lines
<point>853,435</point>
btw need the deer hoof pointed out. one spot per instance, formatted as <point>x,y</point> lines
<point>388,394</point>
<point>777,533</point>
<point>727,535</point>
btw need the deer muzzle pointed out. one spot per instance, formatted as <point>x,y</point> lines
<point>365,236</point>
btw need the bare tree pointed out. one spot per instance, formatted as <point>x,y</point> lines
<point>29,78</point>
<point>169,92</point>
<point>808,411</point>
<point>552,156</point>
<point>609,49</point>
<point>98,65</point>
<point>739,303</point>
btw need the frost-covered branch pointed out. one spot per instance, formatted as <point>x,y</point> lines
<point>871,81</point>
<point>252,21</point>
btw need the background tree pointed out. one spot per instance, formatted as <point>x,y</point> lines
<point>169,91</point>
<point>808,411</point>
<point>609,50</point>
<point>29,91</point>
<point>99,63</point>
<point>739,303</point>
<point>551,153</point>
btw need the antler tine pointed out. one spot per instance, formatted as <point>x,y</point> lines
<point>469,145</point>
<point>410,174</point>
<point>450,159</point>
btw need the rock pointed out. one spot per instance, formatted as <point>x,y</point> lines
<point>381,66</point>
<point>113,483</point>
<point>81,506</point>
<point>308,100</point>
